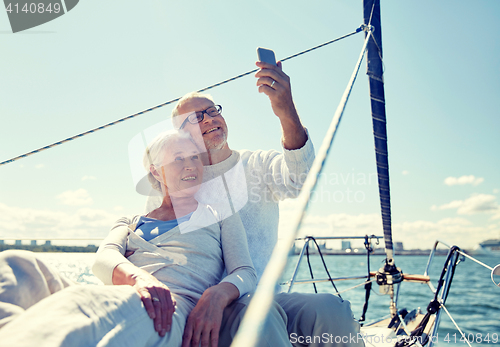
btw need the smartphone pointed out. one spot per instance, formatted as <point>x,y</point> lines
<point>266,55</point>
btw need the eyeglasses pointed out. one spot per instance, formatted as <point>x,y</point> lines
<point>197,117</point>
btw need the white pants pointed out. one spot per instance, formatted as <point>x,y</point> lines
<point>274,333</point>
<point>320,320</point>
<point>39,307</point>
<point>311,320</point>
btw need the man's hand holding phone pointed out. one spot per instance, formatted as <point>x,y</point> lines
<point>272,81</point>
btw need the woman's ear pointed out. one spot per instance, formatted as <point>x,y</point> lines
<point>155,173</point>
<point>158,175</point>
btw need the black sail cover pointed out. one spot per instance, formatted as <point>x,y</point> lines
<point>371,11</point>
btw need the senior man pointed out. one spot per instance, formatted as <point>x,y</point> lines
<point>252,183</point>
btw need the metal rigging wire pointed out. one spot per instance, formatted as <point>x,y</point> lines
<point>358,30</point>
<point>264,295</point>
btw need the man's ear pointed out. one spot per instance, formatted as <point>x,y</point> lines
<point>175,122</point>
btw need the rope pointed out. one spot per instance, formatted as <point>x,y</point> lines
<point>168,102</point>
<point>368,286</point>
<point>474,259</point>
<point>263,297</point>
<point>456,325</point>
<point>86,133</point>
<point>324,265</point>
<point>437,302</point>
<point>356,286</point>
<point>310,268</point>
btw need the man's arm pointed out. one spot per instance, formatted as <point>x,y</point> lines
<point>273,82</point>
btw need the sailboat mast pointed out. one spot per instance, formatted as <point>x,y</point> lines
<point>371,14</point>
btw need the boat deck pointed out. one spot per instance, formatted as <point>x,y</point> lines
<point>379,335</point>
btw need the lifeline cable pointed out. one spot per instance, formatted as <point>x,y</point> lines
<point>263,297</point>
<point>324,265</point>
<point>368,286</point>
<point>358,30</point>
<point>310,268</point>
<point>436,303</point>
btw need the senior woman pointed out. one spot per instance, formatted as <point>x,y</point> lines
<point>178,252</point>
<point>177,255</point>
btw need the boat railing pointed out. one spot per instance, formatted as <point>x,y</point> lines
<point>455,256</point>
<point>450,248</point>
<point>293,280</point>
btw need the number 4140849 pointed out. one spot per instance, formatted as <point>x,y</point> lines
<point>34,8</point>
<point>477,338</point>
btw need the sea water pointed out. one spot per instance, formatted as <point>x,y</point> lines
<point>473,301</point>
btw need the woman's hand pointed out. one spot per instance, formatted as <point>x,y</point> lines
<point>204,321</point>
<point>155,296</point>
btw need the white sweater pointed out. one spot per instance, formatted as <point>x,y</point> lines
<point>253,183</point>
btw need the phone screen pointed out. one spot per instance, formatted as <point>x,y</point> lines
<point>266,55</point>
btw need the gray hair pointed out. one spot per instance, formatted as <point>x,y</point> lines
<point>186,98</point>
<point>155,149</point>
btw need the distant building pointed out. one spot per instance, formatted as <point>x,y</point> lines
<point>399,246</point>
<point>18,243</point>
<point>492,245</point>
<point>48,243</point>
<point>33,242</point>
<point>346,245</point>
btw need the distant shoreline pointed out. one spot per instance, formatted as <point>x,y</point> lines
<point>52,248</point>
<point>381,251</point>
<point>93,249</point>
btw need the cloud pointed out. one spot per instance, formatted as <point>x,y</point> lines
<point>417,234</point>
<point>20,222</point>
<point>471,179</point>
<point>85,178</point>
<point>459,231</point>
<point>337,224</point>
<point>405,172</point>
<point>79,197</point>
<point>478,203</point>
<point>496,216</point>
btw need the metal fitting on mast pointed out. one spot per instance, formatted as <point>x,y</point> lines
<point>366,28</point>
<point>387,277</point>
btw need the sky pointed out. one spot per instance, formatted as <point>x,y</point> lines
<point>106,60</point>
